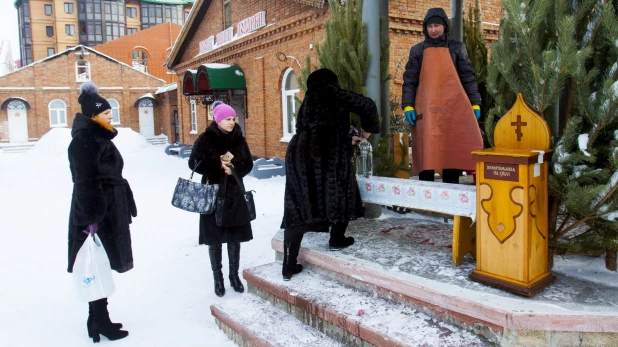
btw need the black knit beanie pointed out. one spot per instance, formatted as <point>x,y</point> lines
<point>92,103</point>
<point>436,20</point>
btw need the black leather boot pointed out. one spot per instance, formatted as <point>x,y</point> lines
<point>101,325</point>
<point>89,321</point>
<point>338,240</point>
<point>233,254</point>
<point>215,264</point>
<point>290,265</point>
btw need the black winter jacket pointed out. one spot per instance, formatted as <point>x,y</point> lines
<point>207,151</point>
<point>100,193</point>
<point>458,53</point>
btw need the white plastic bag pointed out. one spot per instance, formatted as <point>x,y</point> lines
<point>92,274</point>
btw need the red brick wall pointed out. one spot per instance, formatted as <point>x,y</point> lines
<point>291,29</point>
<point>156,41</point>
<point>53,79</point>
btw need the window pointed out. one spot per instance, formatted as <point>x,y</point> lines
<point>193,116</point>
<point>289,93</point>
<point>82,71</point>
<point>227,14</point>
<point>140,60</point>
<point>57,113</point>
<point>115,111</point>
<point>187,15</point>
<point>48,10</point>
<point>131,12</point>
<point>68,7</point>
<point>50,51</point>
<point>131,31</point>
<point>49,31</point>
<point>69,29</point>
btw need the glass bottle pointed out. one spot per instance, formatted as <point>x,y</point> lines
<point>364,162</point>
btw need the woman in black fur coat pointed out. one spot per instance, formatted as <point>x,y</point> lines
<point>222,136</point>
<point>321,191</point>
<point>102,201</point>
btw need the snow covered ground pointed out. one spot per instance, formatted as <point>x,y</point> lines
<point>165,300</point>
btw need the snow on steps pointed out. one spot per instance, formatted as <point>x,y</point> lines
<point>352,317</point>
<point>251,321</point>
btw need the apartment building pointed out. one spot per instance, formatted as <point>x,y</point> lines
<point>47,27</point>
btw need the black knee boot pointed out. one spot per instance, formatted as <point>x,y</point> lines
<point>338,240</point>
<point>233,253</point>
<point>215,264</point>
<point>108,320</point>
<point>291,246</point>
<point>101,325</point>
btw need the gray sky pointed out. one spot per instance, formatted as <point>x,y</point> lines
<point>8,25</point>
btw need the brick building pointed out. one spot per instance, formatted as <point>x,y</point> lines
<point>264,41</point>
<point>44,95</point>
<point>145,50</point>
<point>47,27</point>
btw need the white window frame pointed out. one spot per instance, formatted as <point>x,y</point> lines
<point>287,136</point>
<point>117,109</point>
<point>58,111</point>
<point>84,77</point>
<point>193,104</point>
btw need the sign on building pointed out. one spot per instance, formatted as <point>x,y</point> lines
<point>252,23</point>
<point>207,45</point>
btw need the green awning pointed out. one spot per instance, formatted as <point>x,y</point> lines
<point>220,77</point>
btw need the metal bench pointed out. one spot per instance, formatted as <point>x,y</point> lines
<point>452,199</point>
<point>263,168</point>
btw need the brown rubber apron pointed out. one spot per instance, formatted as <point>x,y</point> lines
<point>446,130</point>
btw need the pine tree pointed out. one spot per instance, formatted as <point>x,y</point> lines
<point>561,54</point>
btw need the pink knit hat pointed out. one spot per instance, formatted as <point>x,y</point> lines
<point>223,111</point>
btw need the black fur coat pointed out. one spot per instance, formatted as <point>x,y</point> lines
<point>207,151</point>
<point>320,187</point>
<point>100,193</point>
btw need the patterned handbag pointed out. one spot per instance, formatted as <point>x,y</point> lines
<point>194,196</point>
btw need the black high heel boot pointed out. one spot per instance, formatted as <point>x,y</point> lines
<point>290,266</point>
<point>233,253</point>
<point>338,240</point>
<point>215,264</point>
<point>89,321</point>
<point>100,324</point>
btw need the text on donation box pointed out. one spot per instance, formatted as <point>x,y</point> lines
<point>503,172</point>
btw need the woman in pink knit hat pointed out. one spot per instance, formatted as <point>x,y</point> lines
<point>210,157</point>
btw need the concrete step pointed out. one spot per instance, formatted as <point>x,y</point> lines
<point>350,316</point>
<point>252,321</point>
<point>16,148</point>
<point>157,140</point>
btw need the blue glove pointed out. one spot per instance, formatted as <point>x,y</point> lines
<point>477,111</point>
<point>91,229</point>
<point>410,114</point>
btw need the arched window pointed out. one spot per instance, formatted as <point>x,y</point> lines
<point>115,110</point>
<point>140,60</point>
<point>289,93</point>
<point>57,113</point>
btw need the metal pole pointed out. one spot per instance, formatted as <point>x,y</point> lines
<point>370,8</point>
<point>385,110</point>
<point>457,20</point>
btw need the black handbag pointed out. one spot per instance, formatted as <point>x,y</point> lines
<point>195,196</point>
<point>234,211</point>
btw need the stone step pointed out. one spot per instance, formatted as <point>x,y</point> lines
<point>16,148</point>
<point>157,140</point>
<point>252,321</point>
<point>350,316</point>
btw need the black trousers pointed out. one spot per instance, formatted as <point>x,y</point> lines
<point>295,235</point>
<point>448,175</point>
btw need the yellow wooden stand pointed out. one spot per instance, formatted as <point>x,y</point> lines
<point>400,139</point>
<point>511,228</point>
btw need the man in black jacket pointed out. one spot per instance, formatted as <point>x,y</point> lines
<point>436,30</point>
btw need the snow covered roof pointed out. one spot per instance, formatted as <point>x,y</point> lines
<point>167,88</point>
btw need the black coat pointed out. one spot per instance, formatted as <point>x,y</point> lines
<point>320,186</point>
<point>207,151</point>
<point>460,57</point>
<point>100,193</point>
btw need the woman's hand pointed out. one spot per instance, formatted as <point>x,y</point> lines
<point>225,165</point>
<point>356,140</point>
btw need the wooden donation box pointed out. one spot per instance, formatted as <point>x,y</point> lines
<point>511,203</point>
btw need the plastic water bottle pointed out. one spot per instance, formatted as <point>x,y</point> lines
<point>364,163</point>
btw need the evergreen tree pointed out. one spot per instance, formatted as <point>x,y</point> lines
<point>561,54</point>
